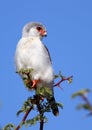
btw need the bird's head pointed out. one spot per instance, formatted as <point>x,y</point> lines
<point>34,29</point>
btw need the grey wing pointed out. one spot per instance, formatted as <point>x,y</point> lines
<point>48,53</point>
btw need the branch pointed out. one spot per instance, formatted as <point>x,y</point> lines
<point>41,124</point>
<point>63,79</point>
<point>41,113</point>
<point>24,118</point>
<point>87,105</point>
<point>86,100</point>
<point>36,101</point>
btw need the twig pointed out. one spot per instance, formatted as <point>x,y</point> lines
<point>88,103</point>
<point>41,123</point>
<point>41,113</point>
<point>86,100</point>
<point>24,118</point>
<point>63,79</point>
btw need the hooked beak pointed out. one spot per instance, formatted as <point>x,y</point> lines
<point>43,33</point>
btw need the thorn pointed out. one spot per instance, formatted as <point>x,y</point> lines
<point>60,87</point>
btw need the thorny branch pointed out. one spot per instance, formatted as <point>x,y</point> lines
<point>25,117</point>
<point>86,100</point>
<point>63,79</point>
<point>39,107</point>
<point>37,100</point>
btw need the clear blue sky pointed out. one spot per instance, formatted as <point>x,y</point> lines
<point>69,26</point>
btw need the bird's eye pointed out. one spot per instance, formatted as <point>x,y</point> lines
<point>39,28</point>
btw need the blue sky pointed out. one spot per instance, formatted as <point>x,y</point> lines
<point>69,26</point>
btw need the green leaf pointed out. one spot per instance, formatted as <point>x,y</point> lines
<point>70,80</point>
<point>80,93</point>
<point>44,91</point>
<point>26,106</point>
<point>25,71</point>
<point>84,106</point>
<point>27,77</point>
<point>60,105</point>
<point>18,113</point>
<point>58,75</point>
<point>32,121</point>
<point>9,127</point>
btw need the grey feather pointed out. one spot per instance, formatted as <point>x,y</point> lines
<point>30,25</point>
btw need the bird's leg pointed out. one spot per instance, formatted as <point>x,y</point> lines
<point>35,83</point>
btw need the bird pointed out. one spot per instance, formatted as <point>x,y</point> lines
<point>32,54</point>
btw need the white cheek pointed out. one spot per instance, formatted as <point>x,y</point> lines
<point>33,32</point>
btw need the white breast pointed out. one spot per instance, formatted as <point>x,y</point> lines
<point>31,53</point>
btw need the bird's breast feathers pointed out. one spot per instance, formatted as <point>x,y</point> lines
<point>31,53</point>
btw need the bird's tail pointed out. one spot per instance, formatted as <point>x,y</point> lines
<point>53,105</point>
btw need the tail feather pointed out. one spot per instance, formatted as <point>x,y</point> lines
<point>53,105</point>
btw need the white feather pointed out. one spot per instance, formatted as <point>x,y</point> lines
<point>31,53</point>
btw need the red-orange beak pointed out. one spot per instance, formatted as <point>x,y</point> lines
<point>43,33</point>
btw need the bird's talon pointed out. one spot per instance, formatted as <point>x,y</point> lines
<point>35,83</point>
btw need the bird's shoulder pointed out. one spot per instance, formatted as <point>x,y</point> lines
<point>27,41</point>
